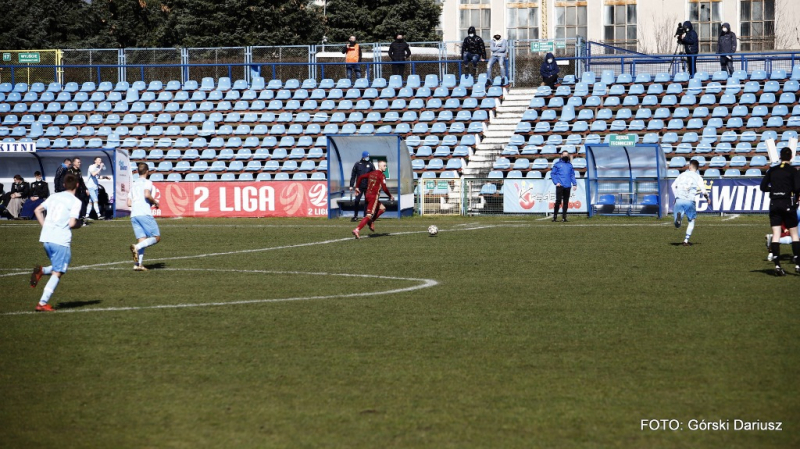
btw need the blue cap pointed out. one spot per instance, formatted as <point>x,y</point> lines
<point>365,155</point>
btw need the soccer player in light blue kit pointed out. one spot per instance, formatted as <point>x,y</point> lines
<point>145,228</point>
<point>63,210</point>
<point>686,187</point>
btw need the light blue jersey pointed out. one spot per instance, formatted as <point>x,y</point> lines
<point>60,208</point>
<point>687,186</point>
<point>139,204</point>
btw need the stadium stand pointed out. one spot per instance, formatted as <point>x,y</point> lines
<point>233,130</point>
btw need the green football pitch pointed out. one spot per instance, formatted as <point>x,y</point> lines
<point>499,332</point>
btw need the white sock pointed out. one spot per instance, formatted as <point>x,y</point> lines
<point>48,270</point>
<point>49,289</point>
<point>141,255</point>
<point>97,209</point>
<point>689,230</point>
<point>150,241</point>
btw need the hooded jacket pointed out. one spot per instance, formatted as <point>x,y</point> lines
<point>499,48</point>
<point>727,41</point>
<point>473,44</point>
<point>549,69</point>
<point>399,50</point>
<point>690,39</point>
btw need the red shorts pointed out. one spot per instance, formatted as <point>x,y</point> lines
<point>373,204</point>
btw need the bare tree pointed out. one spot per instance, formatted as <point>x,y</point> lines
<point>787,33</point>
<point>662,41</point>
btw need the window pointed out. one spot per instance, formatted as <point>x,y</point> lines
<point>570,19</point>
<point>476,13</point>
<point>757,20</point>
<point>619,22</point>
<point>523,21</point>
<point>705,18</point>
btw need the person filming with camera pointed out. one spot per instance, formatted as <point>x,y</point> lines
<point>687,37</point>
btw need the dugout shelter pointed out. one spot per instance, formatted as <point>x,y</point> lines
<point>626,179</point>
<point>26,159</point>
<point>345,150</point>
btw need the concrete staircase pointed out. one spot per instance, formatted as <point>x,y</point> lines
<point>498,133</point>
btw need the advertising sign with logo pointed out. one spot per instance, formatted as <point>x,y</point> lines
<point>538,196</point>
<point>18,147</point>
<point>730,196</point>
<point>122,179</point>
<point>242,199</point>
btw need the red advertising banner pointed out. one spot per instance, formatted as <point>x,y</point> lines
<point>242,199</point>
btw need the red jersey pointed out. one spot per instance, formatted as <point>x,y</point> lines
<point>376,182</point>
<point>784,231</point>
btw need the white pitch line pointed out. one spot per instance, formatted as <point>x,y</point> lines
<point>732,217</point>
<point>423,283</point>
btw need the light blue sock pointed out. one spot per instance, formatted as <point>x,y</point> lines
<point>47,270</point>
<point>49,289</point>
<point>689,230</point>
<point>150,241</point>
<point>141,255</point>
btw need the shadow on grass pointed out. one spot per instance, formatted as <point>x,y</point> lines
<point>380,234</point>
<point>771,272</point>
<point>681,244</point>
<point>156,266</point>
<point>76,304</point>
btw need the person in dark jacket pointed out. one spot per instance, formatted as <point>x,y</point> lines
<point>15,197</point>
<point>361,167</point>
<point>352,58</point>
<point>691,45</point>
<point>39,192</point>
<point>549,70</point>
<point>725,45</point>
<point>81,192</point>
<point>563,176</point>
<point>63,169</point>
<point>473,50</point>
<point>782,181</point>
<point>399,51</point>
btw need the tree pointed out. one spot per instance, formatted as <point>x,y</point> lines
<point>661,39</point>
<point>381,20</point>
<point>42,24</point>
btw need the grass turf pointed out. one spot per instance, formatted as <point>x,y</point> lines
<point>537,334</point>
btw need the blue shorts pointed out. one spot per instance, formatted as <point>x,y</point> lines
<point>59,256</point>
<point>145,226</point>
<point>687,208</point>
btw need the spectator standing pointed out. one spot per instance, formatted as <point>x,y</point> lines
<point>63,169</point>
<point>399,52</point>
<point>549,70</point>
<point>726,44</point>
<point>360,168</point>
<point>691,47</point>
<point>499,51</point>
<point>352,58</point>
<point>39,192</point>
<point>81,191</point>
<point>563,176</point>
<point>472,50</point>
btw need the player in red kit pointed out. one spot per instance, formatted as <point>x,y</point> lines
<point>376,182</point>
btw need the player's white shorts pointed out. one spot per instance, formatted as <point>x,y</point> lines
<point>145,226</point>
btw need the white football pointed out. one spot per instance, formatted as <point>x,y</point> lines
<point>433,230</point>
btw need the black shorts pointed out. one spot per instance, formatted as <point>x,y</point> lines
<point>783,213</point>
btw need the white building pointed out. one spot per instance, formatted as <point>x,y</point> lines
<point>644,25</point>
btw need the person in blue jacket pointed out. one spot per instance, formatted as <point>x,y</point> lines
<point>549,70</point>
<point>691,46</point>
<point>563,176</point>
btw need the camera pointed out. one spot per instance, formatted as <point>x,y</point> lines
<point>680,30</point>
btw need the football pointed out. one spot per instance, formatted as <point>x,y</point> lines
<point>433,230</point>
